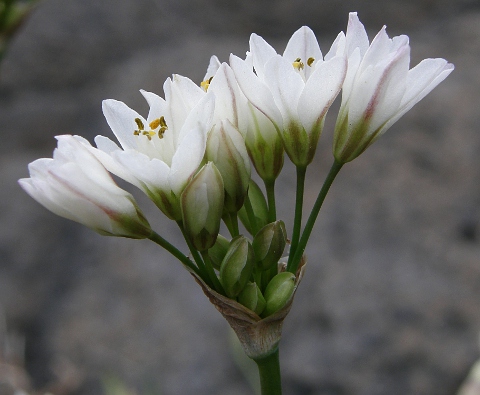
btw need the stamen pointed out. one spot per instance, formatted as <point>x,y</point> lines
<point>154,124</point>
<point>298,64</point>
<point>139,123</point>
<point>310,61</point>
<point>205,84</point>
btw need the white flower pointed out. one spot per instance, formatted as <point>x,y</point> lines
<point>294,91</point>
<point>75,185</point>
<point>379,87</point>
<point>263,143</point>
<point>159,154</point>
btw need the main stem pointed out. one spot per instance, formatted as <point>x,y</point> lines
<point>297,225</point>
<point>293,265</point>
<point>270,378</point>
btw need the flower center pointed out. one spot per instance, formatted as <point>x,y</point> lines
<point>299,65</point>
<point>158,123</point>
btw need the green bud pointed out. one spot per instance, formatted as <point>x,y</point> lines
<point>237,266</point>
<point>278,292</point>
<point>269,243</point>
<point>259,205</point>
<point>226,148</point>
<point>218,251</point>
<point>264,145</point>
<point>251,297</point>
<point>202,207</point>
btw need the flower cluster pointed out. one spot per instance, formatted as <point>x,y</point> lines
<point>193,154</point>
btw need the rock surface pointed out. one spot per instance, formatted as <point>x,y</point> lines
<point>389,302</point>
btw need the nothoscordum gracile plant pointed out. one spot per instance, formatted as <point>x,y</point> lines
<point>191,155</point>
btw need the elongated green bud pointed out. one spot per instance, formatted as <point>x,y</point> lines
<point>237,266</point>
<point>218,251</point>
<point>269,243</point>
<point>259,206</point>
<point>278,292</point>
<point>202,207</point>
<point>251,297</point>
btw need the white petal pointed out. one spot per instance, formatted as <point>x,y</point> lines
<point>255,90</point>
<point>200,117</point>
<point>304,45</point>
<point>106,155</point>
<point>121,120</point>
<point>286,86</point>
<point>152,174</point>
<point>212,68</point>
<point>356,35</point>
<point>320,91</point>
<point>261,52</point>
<point>230,101</point>
<point>186,160</point>
<point>338,47</point>
<point>158,106</point>
<point>421,80</point>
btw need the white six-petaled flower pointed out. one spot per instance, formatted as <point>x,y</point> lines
<point>379,87</point>
<point>75,185</point>
<point>159,154</point>
<point>295,90</point>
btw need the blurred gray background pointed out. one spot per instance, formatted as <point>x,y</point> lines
<point>389,304</point>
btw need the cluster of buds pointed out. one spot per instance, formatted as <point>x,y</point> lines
<point>194,152</point>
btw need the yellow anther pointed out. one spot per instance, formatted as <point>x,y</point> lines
<point>298,64</point>
<point>310,61</point>
<point>136,132</point>
<point>205,84</point>
<point>154,124</point>
<point>139,123</point>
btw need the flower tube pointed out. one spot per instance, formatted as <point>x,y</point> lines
<point>76,186</point>
<point>379,87</point>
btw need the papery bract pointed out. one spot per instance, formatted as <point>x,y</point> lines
<point>75,185</point>
<point>379,87</point>
<point>159,154</point>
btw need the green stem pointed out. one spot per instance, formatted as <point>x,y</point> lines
<point>231,221</point>
<point>270,378</point>
<point>272,210</point>
<point>203,273</point>
<point>297,224</point>
<point>156,238</point>
<point>211,274</point>
<point>251,216</point>
<point>293,265</point>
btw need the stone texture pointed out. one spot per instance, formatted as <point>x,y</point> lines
<point>389,302</point>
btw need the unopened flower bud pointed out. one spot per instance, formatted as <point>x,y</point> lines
<point>237,266</point>
<point>278,292</point>
<point>218,251</point>
<point>269,243</point>
<point>251,297</point>
<point>259,206</point>
<point>202,207</point>
<point>226,148</point>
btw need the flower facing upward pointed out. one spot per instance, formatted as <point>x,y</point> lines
<point>159,154</point>
<point>379,87</point>
<point>294,91</point>
<point>75,185</point>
